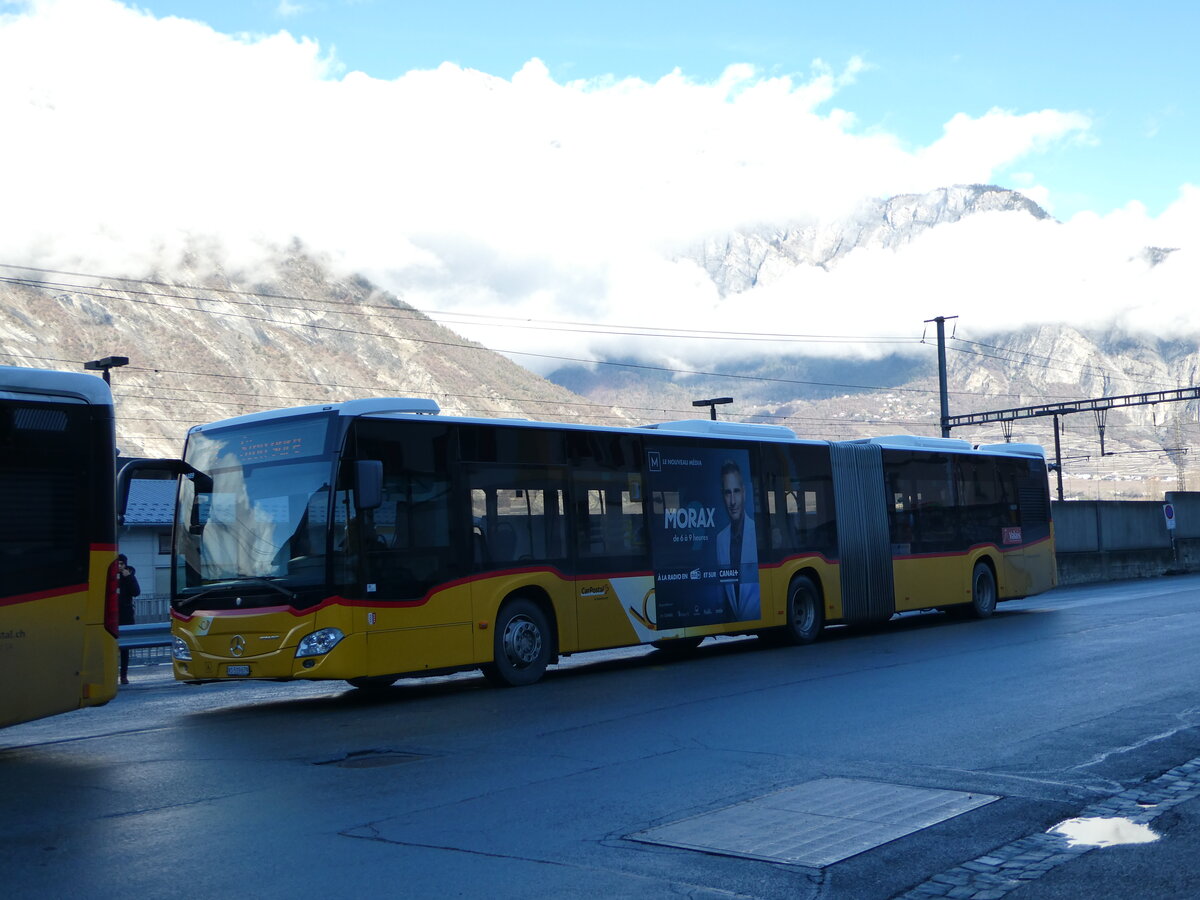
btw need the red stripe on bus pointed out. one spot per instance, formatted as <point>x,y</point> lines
<point>338,600</point>
<point>806,557</point>
<point>43,595</point>
<point>984,546</point>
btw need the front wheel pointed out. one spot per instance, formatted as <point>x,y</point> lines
<point>983,591</point>
<point>522,644</point>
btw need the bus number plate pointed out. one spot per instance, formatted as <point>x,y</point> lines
<point>237,670</point>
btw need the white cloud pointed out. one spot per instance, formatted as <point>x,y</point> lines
<point>134,135</point>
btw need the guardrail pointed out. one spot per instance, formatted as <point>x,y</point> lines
<point>154,634</point>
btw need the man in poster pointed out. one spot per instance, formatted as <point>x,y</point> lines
<point>737,549</point>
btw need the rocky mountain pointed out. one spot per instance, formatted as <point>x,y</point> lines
<point>743,260</point>
<point>206,344</point>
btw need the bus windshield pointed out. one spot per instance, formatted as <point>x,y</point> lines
<point>255,520</point>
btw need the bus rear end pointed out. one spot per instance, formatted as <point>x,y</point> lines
<point>58,624</point>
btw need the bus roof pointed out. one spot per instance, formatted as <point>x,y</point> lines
<point>953,445</point>
<point>397,407</point>
<point>726,429</point>
<point>1036,450</point>
<point>378,406</point>
<point>916,442</point>
<point>17,382</point>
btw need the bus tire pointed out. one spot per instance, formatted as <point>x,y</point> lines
<point>983,591</point>
<point>805,612</point>
<point>521,646</point>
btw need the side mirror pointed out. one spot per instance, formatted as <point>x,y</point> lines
<point>368,483</point>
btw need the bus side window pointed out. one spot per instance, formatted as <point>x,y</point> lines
<point>518,513</point>
<point>800,501</point>
<point>923,513</point>
<point>981,506</point>
<point>607,495</point>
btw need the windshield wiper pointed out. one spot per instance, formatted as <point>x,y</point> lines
<point>242,580</point>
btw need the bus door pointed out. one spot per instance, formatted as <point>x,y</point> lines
<point>864,541</point>
<point>414,610</point>
<point>614,584</point>
<point>1025,527</point>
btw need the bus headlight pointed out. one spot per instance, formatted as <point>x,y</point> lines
<point>319,642</point>
<point>179,649</point>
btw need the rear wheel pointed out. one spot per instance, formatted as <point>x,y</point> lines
<point>522,644</point>
<point>805,613</point>
<point>983,591</point>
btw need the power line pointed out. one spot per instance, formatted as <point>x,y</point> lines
<point>555,357</point>
<point>114,293</point>
<point>496,321</point>
<point>479,319</point>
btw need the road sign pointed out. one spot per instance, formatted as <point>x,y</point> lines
<point>1169,515</point>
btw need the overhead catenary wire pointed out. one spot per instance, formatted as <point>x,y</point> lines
<point>587,410</point>
<point>503,321</point>
<point>375,311</point>
<point>122,294</point>
<point>370,310</point>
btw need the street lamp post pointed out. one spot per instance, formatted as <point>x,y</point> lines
<point>712,405</point>
<point>104,365</point>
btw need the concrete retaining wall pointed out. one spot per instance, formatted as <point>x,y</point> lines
<point>1107,540</point>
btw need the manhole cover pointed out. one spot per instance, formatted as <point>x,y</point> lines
<point>816,823</point>
<point>371,759</point>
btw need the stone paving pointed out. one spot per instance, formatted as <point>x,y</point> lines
<point>1014,865</point>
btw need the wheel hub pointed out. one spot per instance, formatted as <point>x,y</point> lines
<point>522,642</point>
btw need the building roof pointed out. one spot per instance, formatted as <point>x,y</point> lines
<point>151,502</point>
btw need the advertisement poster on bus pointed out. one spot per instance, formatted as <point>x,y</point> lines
<point>703,535</point>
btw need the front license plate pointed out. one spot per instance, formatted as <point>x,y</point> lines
<point>237,670</point>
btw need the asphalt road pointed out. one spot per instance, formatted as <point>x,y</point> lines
<point>451,788</point>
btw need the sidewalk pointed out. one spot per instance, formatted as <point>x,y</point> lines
<point>1168,869</point>
<point>1050,865</point>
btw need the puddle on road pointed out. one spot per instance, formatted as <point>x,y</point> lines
<point>1100,832</point>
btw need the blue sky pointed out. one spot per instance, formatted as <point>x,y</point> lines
<point>1131,67</point>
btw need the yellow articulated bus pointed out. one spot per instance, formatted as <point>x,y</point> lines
<point>375,539</point>
<point>58,606</point>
